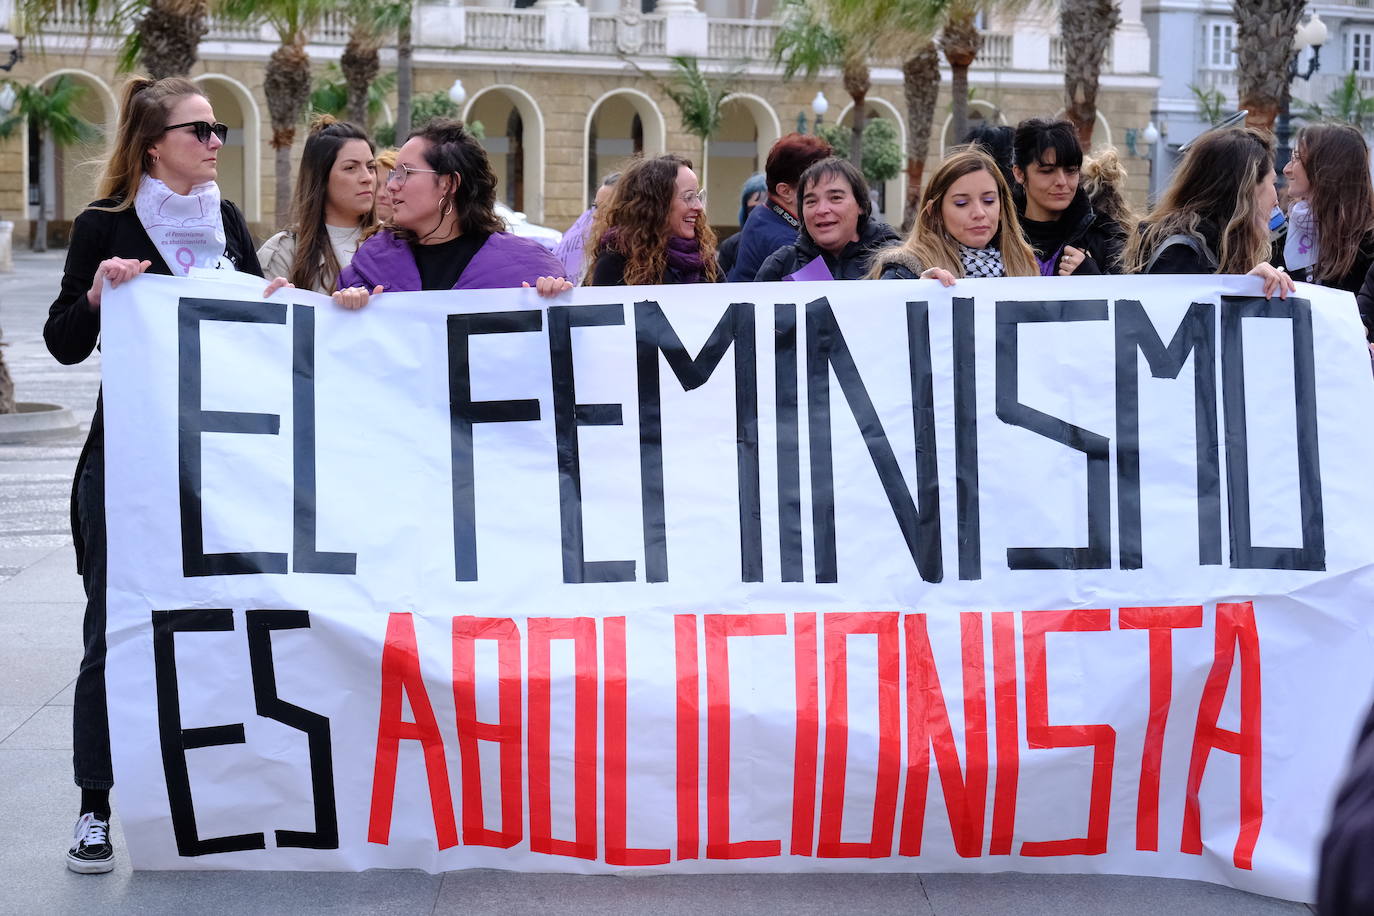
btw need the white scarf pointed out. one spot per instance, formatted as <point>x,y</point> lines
<point>188,230</point>
<point>1300,247</point>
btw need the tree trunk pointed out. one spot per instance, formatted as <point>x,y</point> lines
<point>6,384</point>
<point>404,80</point>
<point>39,242</point>
<point>857,82</point>
<point>360,64</point>
<point>960,41</point>
<point>287,87</point>
<point>921,86</point>
<point>169,34</point>
<point>1086,28</point>
<point>1264,51</point>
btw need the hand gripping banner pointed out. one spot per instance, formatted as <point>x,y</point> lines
<point>1066,575</point>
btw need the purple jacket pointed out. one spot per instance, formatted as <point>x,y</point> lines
<point>572,250</point>
<point>505,260</point>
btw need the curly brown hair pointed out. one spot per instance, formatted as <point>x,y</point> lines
<point>633,223</point>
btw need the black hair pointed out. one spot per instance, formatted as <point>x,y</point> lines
<point>455,151</point>
<point>996,141</point>
<point>828,168</point>
<point>1036,136</point>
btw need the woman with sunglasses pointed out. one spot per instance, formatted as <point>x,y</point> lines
<point>654,229</point>
<point>335,201</point>
<point>160,211</point>
<point>444,232</point>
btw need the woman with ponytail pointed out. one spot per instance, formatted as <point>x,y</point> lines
<point>159,211</point>
<point>335,202</point>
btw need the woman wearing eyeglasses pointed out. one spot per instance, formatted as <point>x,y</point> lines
<point>654,229</point>
<point>160,211</point>
<point>444,232</point>
<point>335,201</point>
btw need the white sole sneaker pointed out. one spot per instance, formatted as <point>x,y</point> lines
<point>89,866</point>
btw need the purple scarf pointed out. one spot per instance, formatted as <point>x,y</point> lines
<point>684,259</point>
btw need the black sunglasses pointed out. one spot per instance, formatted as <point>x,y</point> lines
<point>204,129</point>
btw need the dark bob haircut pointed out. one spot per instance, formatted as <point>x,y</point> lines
<point>1036,136</point>
<point>828,168</point>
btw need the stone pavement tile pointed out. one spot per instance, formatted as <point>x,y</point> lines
<point>52,578</point>
<point>1016,894</point>
<point>11,717</point>
<point>33,675</point>
<point>32,626</point>
<point>48,729</point>
<point>67,697</point>
<point>36,820</point>
<point>484,891</point>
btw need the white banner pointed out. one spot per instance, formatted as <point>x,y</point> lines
<point>1064,575</point>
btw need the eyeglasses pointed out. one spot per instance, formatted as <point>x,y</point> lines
<point>402,172</point>
<point>204,129</point>
<point>693,198</point>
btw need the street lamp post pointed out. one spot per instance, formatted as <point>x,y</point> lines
<point>819,106</point>
<point>1311,34</point>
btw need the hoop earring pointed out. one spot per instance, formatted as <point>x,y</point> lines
<point>445,209</point>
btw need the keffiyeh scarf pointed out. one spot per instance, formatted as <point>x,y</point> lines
<point>981,262</point>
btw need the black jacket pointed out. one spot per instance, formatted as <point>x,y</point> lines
<point>1354,279</point>
<point>73,327</point>
<point>1345,883</point>
<point>610,270</point>
<point>1080,226</point>
<point>1365,300</point>
<point>1180,258</point>
<point>852,263</point>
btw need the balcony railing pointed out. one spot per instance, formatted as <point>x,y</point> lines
<point>995,53</point>
<point>741,39</point>
<point>1057,56</point>
<point>505,30</point>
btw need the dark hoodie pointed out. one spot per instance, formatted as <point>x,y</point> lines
<point>1079,226</point>
<point>852,263</point>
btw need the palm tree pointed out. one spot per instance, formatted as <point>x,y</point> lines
<point>329,93</point>
<point>370,23</point>
<point>286,81</point>
<point>960,41</point>
<point>699,98</point>
<point>49,112</point>
<point>163,42</point>
<point>816,34</point>
<point>1345,103</point>
<point>921,87</point>
<point>1086,28</point>
<point>405,83</point>
<point>1264,51</point>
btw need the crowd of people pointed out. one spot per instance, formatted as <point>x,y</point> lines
<point>1019,202</point>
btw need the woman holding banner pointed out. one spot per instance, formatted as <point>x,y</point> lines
<point>444,232</point>
<point>839,235</point>
<point>1330,237</point>
<point>335,202</point>
<point>966,227</point>
<point>160,211</point>
<point>654,229</point>
<point>1067,235</point>
<point>1214,217</point>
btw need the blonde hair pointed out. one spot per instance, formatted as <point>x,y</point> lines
<point>1103,177</point>
<point>142,119</point>
<point>930,243</point>
<point>1215,182</point>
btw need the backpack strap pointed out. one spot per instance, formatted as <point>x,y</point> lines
<point>1182,238</point>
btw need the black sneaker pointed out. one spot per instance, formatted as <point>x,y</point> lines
<point>92,853</point>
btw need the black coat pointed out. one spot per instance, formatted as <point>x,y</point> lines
<point>72,331</point>
<point>1079,226</point>
<point>1189,259</point>
<point>610,271</point>
<point>852,263</point>
<point>1345,882</point>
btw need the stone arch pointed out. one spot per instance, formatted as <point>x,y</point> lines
<point>240,174</point>
<point>71,177</point>
<point>528,169</point>
<point>654,135</point>
<point>990,113</point>
<point>738,151</point>
<point>894,190</point>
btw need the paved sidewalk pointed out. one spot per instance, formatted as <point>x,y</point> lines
<point>41,606</point>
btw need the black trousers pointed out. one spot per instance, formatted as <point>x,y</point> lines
<point>90,717</point>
